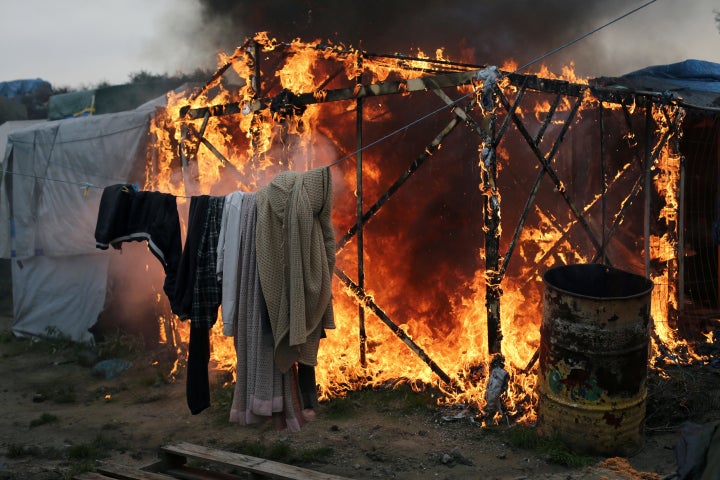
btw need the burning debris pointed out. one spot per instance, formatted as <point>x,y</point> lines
<point>497,386</point>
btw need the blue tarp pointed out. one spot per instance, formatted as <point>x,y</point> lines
<point>691,74</point>
<point>694,83</point>
<point>18,88</point>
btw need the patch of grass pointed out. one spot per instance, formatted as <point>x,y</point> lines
<point>120,345</point>
<point>340,408</point>
<point>150,398</point>
<point>64,393</point>
<point>279,451</point>
<point>6,336</point>
<point>43,419</point>
<point>16,450</point>
<point>222,395</point>
<point>254,448</point>
<point>400,399</point>
<point>282,452</point>
<point>77,469</point>
<point>319,454</point>
<point>83,451</point>
<point>95,450</point>
<point>113,426</point>
<point>557,451</point>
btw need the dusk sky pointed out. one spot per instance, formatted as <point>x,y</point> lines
<point>81,43</point>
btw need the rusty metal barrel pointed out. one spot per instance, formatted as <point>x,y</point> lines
<point>593,358</point>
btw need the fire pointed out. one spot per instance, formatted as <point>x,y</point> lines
<point>441,308</point>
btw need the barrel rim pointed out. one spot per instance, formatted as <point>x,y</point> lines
<point>642,293</point>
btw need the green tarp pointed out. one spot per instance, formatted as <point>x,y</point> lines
<point>111,99</point>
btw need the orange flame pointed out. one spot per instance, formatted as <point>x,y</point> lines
<point>252,147</point>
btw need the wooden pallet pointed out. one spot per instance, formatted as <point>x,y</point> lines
<point>173,465</point>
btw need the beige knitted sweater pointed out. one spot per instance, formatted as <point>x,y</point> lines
<point>295,245</point>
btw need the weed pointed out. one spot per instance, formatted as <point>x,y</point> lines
<point>150,398</point>
<point>64,393</point>
<point>252,448</point>
<point>120,345</point>
<point>222,395</point>
<point>83,451</point>
<point>319,454</point>
<point>281,452</point>
<point>556,450</point>
<point>15,450</point>
<point>78,468</point>
<point>400,398</point>
<point>112,426</point>
<point>91,451</point>
<point>45,418</point>
<point>6,337</point>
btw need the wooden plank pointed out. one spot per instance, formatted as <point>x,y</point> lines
<point>122,472</point>
<point>91,476</point>
<point>190,473</point>
<point>259,466</point>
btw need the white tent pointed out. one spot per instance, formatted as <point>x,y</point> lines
<point>12,126</point>
<point>53,175</point>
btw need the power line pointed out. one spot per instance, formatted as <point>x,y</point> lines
<point>424,117</point>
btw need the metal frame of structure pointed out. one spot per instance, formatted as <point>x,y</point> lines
<point>444,75</point>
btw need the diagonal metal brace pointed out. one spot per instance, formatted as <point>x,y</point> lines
<point>412,168</point>
<point>367,301</point>
<point>546,164</point>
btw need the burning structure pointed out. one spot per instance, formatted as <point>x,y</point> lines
<point>456,186</point>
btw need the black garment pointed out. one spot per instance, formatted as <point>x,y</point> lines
<point>185,282</point>
<point>208,290</point>
<point>197,386</point>
<point>201,289</point>
<point>127,215</point>
<point>308,386</point>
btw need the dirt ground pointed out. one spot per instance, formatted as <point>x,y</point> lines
<point>59,417</point>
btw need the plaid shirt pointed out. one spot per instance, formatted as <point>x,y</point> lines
<point>207,292</point>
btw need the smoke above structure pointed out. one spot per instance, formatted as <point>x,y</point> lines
<point>483,33</point>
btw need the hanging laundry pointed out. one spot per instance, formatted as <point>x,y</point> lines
<point>200,278</point>
<point>262,391</point>
<point>187,268</point>
<point>228,251</point>
<point>296,257</point>
<point>127,215</point>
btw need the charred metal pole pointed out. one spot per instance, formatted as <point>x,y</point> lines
<point>681,231</point>
<point>256,122</point>
<point>642,184</point>
<point>359,219</point>
<point>184,158</point>
<point>603,182</point>
<point>366,300</point>
<point>491,216</point>
<point>648,184</point>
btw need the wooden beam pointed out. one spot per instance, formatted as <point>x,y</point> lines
<point>254,465</point>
